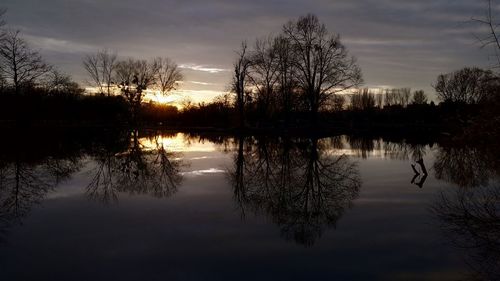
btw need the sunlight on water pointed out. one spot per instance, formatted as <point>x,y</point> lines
<point>178,142</point>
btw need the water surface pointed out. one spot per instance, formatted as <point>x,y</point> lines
<point>173,206</point>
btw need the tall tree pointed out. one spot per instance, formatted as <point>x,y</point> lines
<point>468,85</point>
<point>60,83</point>
<point>2,22</point>
<point>491,38</point>
<point>419,97</point>
<point>240,81</point>
<point>286,71</point>
<point>323,64</point>
<point>19,63</point>
<point>134,78</point>
<point>100,67</point>
<point>168,75</point>
<point>264,72</point>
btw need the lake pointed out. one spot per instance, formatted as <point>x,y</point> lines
<point>179,206</point>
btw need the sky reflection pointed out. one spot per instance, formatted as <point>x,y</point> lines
<point>368,222</point>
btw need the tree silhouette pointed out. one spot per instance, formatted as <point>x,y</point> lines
<point>240,81</point>
<point>100,67</point>
<point>264,73</point>
<point>468,85</point>
<point>168,75</point>
<point>323,64</point>
<point>419,97</point>
<point>19,63</point>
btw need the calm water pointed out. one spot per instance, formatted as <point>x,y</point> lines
<point>186,207</point>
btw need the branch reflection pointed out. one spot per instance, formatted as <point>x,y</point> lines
<point>302,185</point>
<point>25,181</point>
<point>137,170</point>
<point>469,214</point>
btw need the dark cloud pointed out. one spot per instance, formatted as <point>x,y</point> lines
<point>397,42</point>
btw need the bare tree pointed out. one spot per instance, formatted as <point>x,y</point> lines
<point>397,97</point>
<point>19,63</point>
<point>419,97</point>
<point>286,72</point>
<point>379,100</point>
<point>2,22</point>
<point>134,78</point>
<point>468,85</point>
<point>239,83</point>
<point>491,38</point>
<point>100,67</point>
<point>404,96</point>
<point>338,102</point>
<point>363,100</point>
<point>168,75</point>
<point>323,64</point>
<point>264,72</point>
<point>57,82</point>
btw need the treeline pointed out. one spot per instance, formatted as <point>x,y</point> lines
<point>302,77</point>
<point>33,91</point>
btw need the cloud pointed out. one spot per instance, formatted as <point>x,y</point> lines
<point>48,44</point>
<point>203,68</point>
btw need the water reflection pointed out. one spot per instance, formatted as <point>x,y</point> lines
<point>139,169</point>
<point>300,184</point>
<point>122,162</point>
<point>466,166</point>
<point>469,215</point>
<point>26,176</point>
<point>470,219</point>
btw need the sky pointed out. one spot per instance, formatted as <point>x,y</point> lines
<point>398,43</point>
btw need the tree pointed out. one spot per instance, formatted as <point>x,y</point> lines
<point>491,39</point>
<point>264,72</point>
<point>240,81</point>
<point>379,100</point>
<point>397,97</point>
<point>100,68</point>
<point>404,96</point>
<point>134,77</point>
<point>59,83</point>
<point>468,85</point>
<point>363,100</point>
<point>19,63</point>
<point>168,75</point>
<point>286,72</point>
<point>338,102</point>
<point>323,64</point>
<point>2,23</point>
<point>419,97</point>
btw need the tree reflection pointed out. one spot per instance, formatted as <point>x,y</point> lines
<point>469,214</point>
<point>122,164</point>
<point>301,185</point>
<point>25,182</point>
<point>471,219</point>
<point>136,170</point>
<point>465,166</point>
